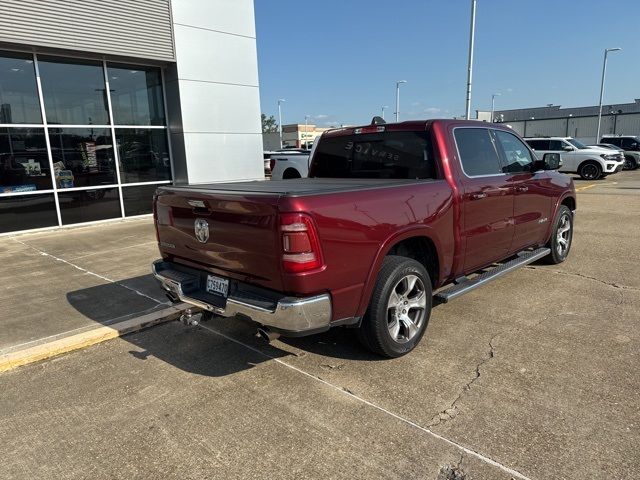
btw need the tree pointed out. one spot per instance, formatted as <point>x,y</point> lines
<point>269,124</point>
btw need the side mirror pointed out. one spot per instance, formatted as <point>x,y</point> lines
<point>551,161</point>
<point>567,148</point>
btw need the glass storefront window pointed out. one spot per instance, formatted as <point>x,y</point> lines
<point>24,212</point>
<point>24,162</point>
<point>18,90</point>
<point>82,206</point>
<point>138,200</point>
<point>143,154</point>
<point>73,91</point>
<point>136,95</point>
<point>82,157</point>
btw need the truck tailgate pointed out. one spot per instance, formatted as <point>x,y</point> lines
<point>242,238</point>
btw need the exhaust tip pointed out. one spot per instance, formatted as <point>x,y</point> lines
<point>266,334</point>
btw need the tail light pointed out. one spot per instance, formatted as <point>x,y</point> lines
<point>272,164</point>
<point>300,244</point>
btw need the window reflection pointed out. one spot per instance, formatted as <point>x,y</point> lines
<point>136,95</point>
<point>23,212</point>
<point>138,200</point>
<point>143,154</point>
<point>24,163</point>
<point>82,157</point>
<point>18,92</point>
<point>74,92</point>
<point>82,206</point>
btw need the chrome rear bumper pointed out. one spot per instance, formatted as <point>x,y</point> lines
<point>293,315</point>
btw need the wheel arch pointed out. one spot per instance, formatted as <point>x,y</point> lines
<point>411,241</point>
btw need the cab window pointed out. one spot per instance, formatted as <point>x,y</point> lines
<point>478,153</point>
<point>516,156</point>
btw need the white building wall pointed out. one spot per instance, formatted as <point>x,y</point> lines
<point>212,92</point>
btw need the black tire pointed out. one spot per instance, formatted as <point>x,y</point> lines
<point>590,170</point>
<point>559,255</point>
<point>631,163</point>
<point>290,173</point>
<point>375,333</point>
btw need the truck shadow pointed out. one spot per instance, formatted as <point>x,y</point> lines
<point>218,347</point>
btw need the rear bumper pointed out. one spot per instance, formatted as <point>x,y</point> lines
<point>287,315</point>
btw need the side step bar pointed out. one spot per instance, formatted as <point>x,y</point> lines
<point>523,258</point>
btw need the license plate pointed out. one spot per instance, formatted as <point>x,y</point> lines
<point>217,286</point>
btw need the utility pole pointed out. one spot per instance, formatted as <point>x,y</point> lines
<point>306,135</point>
<point>384,107</point>
<point>493,104</point>
<point>398,99</point>
<point>280,102</point>
<point>472,34</point>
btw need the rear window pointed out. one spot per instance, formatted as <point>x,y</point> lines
<point>539,144</point>
<point>399,155</point>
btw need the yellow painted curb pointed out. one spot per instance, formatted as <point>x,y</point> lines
<point>85,339</point>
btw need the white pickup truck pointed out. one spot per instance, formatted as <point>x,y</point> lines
<point>291,164</point>
<point>591,163</point>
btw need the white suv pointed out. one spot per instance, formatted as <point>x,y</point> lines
<point>590,163</point>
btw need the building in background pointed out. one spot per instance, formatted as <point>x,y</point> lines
<point>101,101</point>
<point>577,122</point>
<point>294,135</point>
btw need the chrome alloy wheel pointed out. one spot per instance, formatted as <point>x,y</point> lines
<point>563,235</point>
<point>406,308</point>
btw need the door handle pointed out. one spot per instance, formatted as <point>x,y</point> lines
<point>478,195</point>
<point>522,188</point>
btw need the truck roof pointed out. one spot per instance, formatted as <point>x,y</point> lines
<point>412,125</point>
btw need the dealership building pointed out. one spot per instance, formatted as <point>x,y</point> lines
<point>102,101</point>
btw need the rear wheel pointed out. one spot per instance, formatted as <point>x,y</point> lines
<point>630,163</point>
<point>290,173</point>
<point>590,171</point>
<point>561,236</point>
<point>399,310</point>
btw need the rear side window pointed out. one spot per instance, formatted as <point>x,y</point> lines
<point>556,145</point>
<point>539,144</point>
<point>477,151</point>
<point>400,155</point>
<point>612,140</point>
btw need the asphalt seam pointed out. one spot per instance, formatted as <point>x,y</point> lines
<point>97,275</point>
<point>349,393</point>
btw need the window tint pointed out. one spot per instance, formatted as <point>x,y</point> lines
<point>136,95</point>
<point>24,162</point>
<point>556,145</point>
<point>89,205</point>
<point>22,212</point>
<point>18,93</point>
<point>82,157</point>
<point>73,92</point>
<point>477,151</point>
<point>375,155</point>
<point>613,141</point>
<point>516,155</point>
<point>539,144</point>
<point>144,154</point>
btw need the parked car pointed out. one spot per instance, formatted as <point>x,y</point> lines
<point>389,214</point>
<point>630,145</point>
<point>589,162</point>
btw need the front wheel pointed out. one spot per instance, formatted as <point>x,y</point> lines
<point>561,236</point>
<point>631,163</point>
<point>399,309</point>
<point>590,171</point>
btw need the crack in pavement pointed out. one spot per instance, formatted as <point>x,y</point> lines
<point>452,411</point>
<point>588,277</point>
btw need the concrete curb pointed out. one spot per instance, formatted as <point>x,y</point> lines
<point>77,341</point>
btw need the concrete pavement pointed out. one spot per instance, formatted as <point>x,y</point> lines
<point>533,376</point>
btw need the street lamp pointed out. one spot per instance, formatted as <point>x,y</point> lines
<point>384,107</point>
<point>306,135</point>
<point>604,71</point>
<point>472,34</point>
<point>398,99</point>
<point>493,103</point>
<point>280,102</point>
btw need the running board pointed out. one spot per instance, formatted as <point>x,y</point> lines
<point>523,258</point>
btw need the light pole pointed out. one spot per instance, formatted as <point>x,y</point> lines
<point>398,99</point>
<point>384,107</point>
<point>604,71</point>
<point>493,103</point>
<point>306,123</point>
<point>472,34</point>
<point>280,102</point>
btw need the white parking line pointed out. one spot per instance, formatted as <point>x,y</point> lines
<point>464,449</point>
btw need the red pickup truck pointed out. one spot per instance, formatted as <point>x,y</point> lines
<point>389,214</point>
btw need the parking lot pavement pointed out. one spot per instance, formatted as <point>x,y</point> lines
<point>533,376</point>
<point>61,282</point>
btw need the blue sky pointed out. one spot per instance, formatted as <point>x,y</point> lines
<point>338,60</point>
